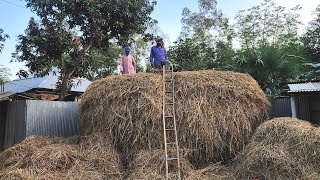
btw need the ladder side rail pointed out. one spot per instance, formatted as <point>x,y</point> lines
<point>164,120</point>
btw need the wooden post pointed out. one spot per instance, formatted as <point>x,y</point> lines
<point>293,106</point>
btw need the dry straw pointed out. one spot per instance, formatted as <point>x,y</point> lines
<point>57,158</point>
<point>216,112</point>
<point>150,165</point>
<point>281,148</point>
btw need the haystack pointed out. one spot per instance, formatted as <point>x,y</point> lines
<point>281,148</point>
<point>57,158</point>
<point>216,112</point>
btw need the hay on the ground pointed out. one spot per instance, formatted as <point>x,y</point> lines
<point>100,155</point>
<point>216,112</point>
<point>56,158</point>
<point>151,165</point>
<point>281,148</point>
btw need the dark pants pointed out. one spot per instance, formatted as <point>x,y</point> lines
<point>163,63</point>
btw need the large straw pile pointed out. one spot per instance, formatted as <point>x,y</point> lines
<point>56,158</point>
<point>282,148</point>
<point>216,112</point>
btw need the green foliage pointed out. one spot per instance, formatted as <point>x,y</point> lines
<point>104,62</point>
<point>45,45</point>
<point>206,24</point>
<point>266,24</point>
<point>311,39</point>
<point>224,56</point>
<point>3,38</point>
<point>268,65</point>
<point>54,40</point>
<point>271,50</point>
<point>190,54</point>
<point>140,49</point>
<point>98,20</point>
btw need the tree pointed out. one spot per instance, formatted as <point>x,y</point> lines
<point>68,31</point>
<point>4,74</point>
<point>104,62</point>
<point>270,48</point>
<point>206,24</point>
<point>205,41</point>
<point>223,56</point>
<point>140,49</point>
<point>311,39</point>
<point>269,65</point>
<point>191,54</point>
<point>266,24</point>
<point>3,38</point>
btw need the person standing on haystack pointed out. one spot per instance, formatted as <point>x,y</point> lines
<point>158,54</point>
<point>127,64</point>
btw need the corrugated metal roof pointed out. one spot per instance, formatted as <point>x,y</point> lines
<point>46,82</point>
<point>6,95</point>
<point>304,87</point>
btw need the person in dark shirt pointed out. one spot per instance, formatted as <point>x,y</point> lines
<point>158,54</point>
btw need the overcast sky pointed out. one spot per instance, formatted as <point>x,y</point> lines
<point>14,18</point>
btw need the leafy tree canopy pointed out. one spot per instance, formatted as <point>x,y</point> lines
<point>67,32</point>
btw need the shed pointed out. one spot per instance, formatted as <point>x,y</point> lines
<point>305,100</point>
<point>23,118</point>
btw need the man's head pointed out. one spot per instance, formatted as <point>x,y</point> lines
<point>159,41</point>
<point>127,50</point>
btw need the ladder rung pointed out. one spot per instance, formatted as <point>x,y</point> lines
<point>171,143</point>
<point>169,91</point>
<point>170,129</point>
<point>168,116</point>
<point>169,103</point>
<point>170,159</point>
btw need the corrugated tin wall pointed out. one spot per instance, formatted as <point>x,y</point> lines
<point>303,107</point>
<point>15,126</point>
<point>47,118</point>
<point>315,109</point>
<point>3,120</point>
<point>52,118</point>
<point>280,107</point>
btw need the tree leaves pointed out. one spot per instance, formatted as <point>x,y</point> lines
<point>266,24</point>
<point>3,38</point>
<point>311,38</point>
<point>49,41</point>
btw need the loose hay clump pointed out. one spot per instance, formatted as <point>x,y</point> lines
<point>216,112</point>
<point>56,158</point>
<point>100,155</point>
<point>281,148</point>
<point>151,165</point>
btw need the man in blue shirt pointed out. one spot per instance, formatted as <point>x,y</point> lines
<point>158,54</point>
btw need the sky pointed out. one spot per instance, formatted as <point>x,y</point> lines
<point>14,17</point>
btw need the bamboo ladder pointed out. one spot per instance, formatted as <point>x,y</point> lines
<point>171,146</point>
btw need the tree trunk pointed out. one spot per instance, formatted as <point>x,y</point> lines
<point>64,85</point>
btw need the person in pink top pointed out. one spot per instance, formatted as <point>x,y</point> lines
<point>128,64</point>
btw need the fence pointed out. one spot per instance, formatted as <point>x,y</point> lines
<point>280,107</point>
<point>47,118</point>
<point>307,108</point>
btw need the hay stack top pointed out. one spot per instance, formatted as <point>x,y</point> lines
<point>215,111</point>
